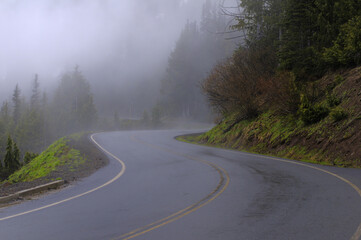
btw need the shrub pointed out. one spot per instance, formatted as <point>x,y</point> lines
<point>240,83</point>
<point>29,156</point>
<point>346,49</point>
<point>311,113</point>
<point>4,174</point>
<point>333,100</point>
<point>339,79</point>
<point>283,94</point>
<point>338,114</point>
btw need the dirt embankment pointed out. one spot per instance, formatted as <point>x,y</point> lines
<point>335,140</point>
<point>90,159</point>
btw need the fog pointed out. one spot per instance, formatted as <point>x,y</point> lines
<point>105,65</point>
<point>118,44</point>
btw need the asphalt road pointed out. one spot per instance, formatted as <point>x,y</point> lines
<point>168,189</point>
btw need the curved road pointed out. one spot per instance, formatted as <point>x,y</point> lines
<point>158,188</point>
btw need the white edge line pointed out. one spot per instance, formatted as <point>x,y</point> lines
<point>79,195</point>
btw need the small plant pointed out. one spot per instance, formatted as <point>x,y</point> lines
<point>310,113</point>
<point>339,79</point>
<point>338,114</point>
<point>29,156</point>
<point>332,100</point>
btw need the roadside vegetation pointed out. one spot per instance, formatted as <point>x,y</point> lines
<point>28,126</point>
<point>68,159</point>
<point>57,154</point>
<point>294,88</point>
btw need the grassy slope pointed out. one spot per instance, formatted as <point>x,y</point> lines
<point>57,154</point>
<point>330,141</point>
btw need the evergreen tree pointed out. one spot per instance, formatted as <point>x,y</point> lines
<point>307,35</point>
<point>30,131</point>
<point>30,128</point>
<point>197,50</point>
<point>16,104</point>
<point>346,49</point>
<point>298,53</point>
<point>16,158</point>
<point>35,97</point>
<point>5,111</point>
<point>12,156</point>
<point>73,108</point>
<point>179,84</point>
<point>9,154</point>
<point>29,156</point>
<point>6,121</point>
<point>44,101</point>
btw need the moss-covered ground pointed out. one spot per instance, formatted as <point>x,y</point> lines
<point>57,154</point>
<point>68,159</point>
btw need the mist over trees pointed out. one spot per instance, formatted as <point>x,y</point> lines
<point>73,108</point>
<point>28,126</point>
<point>121,46</point>
<point>199,47</point>
<point>130,76</point>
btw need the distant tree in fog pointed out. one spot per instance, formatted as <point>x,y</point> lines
<point>197,50</point>
<point>73,108</point>
<point>16,104</point>
<point>35,96</point>
<point>179,84</point>
<point>29,131</point>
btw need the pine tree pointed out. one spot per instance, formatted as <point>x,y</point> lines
<point>5,111</point>
<point>44,101</point>
<point>73,107</point>
<point>9,154</point>
<point>12,156</point>
<point>35,97</point>
<point>16,104</point>
<point>29,156</point>
<point>16,158</point>
<point>179,85</point>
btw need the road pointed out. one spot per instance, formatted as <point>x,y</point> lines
<point>156,187</point>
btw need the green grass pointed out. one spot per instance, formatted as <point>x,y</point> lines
<point>57,154</point>
<point>295,152</point>
<point>271,135</point>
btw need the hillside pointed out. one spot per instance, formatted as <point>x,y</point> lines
<point>68,158</point>
<point>334,140</point>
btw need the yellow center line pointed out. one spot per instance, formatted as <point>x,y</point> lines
<point>176,216</point>
<point>212,196</point>
<point>79,195</point>
<point>221,187</point>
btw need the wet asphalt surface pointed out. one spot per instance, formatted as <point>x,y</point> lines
<point>264,198</point>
